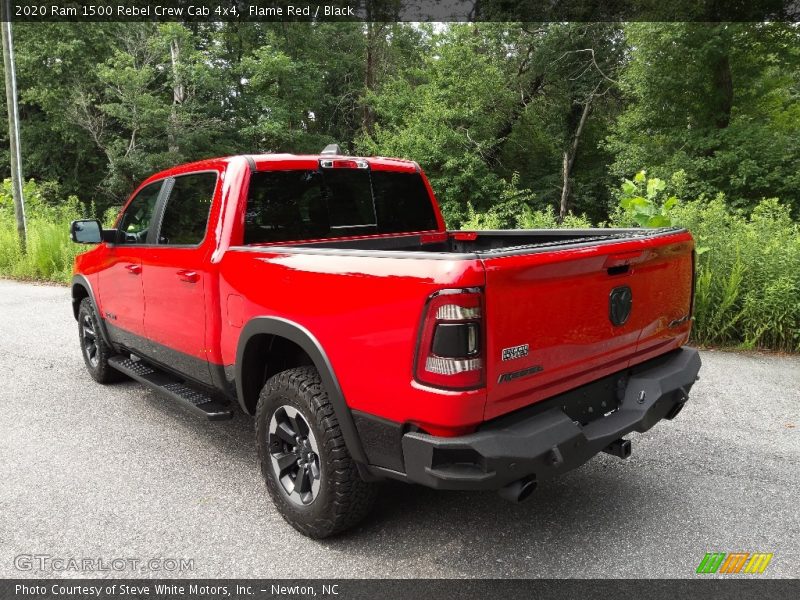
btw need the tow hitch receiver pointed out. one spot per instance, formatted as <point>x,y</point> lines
<point>620,448</point>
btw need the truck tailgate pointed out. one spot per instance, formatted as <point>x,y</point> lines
<point>568,306</point>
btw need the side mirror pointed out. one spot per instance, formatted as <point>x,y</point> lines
<point>88,231</point>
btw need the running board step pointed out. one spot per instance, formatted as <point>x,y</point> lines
<point>198,402</point>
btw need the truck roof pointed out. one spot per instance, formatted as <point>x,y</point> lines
<point>381,162</point>
<point>288,161</point>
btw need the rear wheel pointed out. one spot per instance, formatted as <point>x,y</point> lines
<point>294,455</point>
<point>309,472</point>
<point>94,349</point>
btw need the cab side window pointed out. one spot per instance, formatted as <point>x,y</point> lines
<point>186,214</point>
<point>138,216</point>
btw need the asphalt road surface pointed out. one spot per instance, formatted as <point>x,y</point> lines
<point>110,472</point>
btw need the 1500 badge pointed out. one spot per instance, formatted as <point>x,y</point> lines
<point>515,352</point>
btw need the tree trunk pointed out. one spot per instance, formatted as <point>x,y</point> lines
<point>178,96</point>
<point>367,117</point>
<point>13,127</point>
<point>569,159</point>
<point>723,80</point>
<point>492,154</point>
<point>566,166</point>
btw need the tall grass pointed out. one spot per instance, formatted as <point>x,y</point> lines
<point>748,279</point>
<point>50,252</point>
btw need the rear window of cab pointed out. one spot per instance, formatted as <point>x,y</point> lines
<point>330,203</point>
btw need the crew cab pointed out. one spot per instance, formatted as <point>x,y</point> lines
<point>324,296</point>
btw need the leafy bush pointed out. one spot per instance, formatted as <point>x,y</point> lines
<point>748,269</point>
<point>514,211</point>
<point>748,275</point>
<point>641,200</point>
<point>50,252</point>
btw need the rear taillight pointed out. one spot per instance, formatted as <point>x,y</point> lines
<point>450,352</point>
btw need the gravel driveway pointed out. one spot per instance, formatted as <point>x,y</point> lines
<point>109,472</point>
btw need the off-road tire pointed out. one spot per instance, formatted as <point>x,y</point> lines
<point>343,498</point>
<point>97,365</point>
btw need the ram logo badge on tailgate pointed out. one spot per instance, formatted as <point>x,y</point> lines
<point>515,352</point>
<point>619,305</point>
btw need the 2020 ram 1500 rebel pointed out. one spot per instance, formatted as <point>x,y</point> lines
<point>324,295</point>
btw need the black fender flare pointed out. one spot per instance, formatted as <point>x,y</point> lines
<point>301,336</point>
<point>84,282</point>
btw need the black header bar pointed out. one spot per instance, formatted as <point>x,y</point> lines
<point>395,589</point>
<point>404,10</point>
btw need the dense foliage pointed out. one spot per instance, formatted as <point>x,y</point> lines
<point>748,279</point>
<point>516,124</point>
<point>719,102</point>
<point>50,252</point>
<point>105,104</point>
<point>748,266</point>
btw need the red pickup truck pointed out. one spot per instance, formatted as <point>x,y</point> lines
<point>324,295</point>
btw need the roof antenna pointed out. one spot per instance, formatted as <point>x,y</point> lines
<point>332,149</point>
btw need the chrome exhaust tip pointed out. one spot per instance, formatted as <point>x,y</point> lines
<point>518,491</point>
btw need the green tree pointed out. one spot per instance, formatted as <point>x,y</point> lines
<point>495,99</point>
<point>445,114</point>
<point>718,101</point>
<point>555,143</point>
<point>53,59</point>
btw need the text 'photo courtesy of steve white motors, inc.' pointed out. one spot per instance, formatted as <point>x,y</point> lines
<point>178,589</point>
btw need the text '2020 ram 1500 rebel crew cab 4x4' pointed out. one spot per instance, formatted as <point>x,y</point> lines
<point>324,295</point>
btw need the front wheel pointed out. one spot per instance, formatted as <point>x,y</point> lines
<point>94,348</point>
<point>310,475</point>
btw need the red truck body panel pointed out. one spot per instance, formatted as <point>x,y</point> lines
<point>558,303</point>
<point>370,343</point>
<point>365,308</point>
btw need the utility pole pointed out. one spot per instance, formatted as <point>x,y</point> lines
<point>13,123</point>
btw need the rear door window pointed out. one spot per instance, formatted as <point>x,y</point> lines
<point>186,213</point>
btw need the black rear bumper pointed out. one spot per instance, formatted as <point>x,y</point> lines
<point>549,442</point>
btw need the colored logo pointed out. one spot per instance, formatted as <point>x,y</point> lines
<point>735,562</point>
